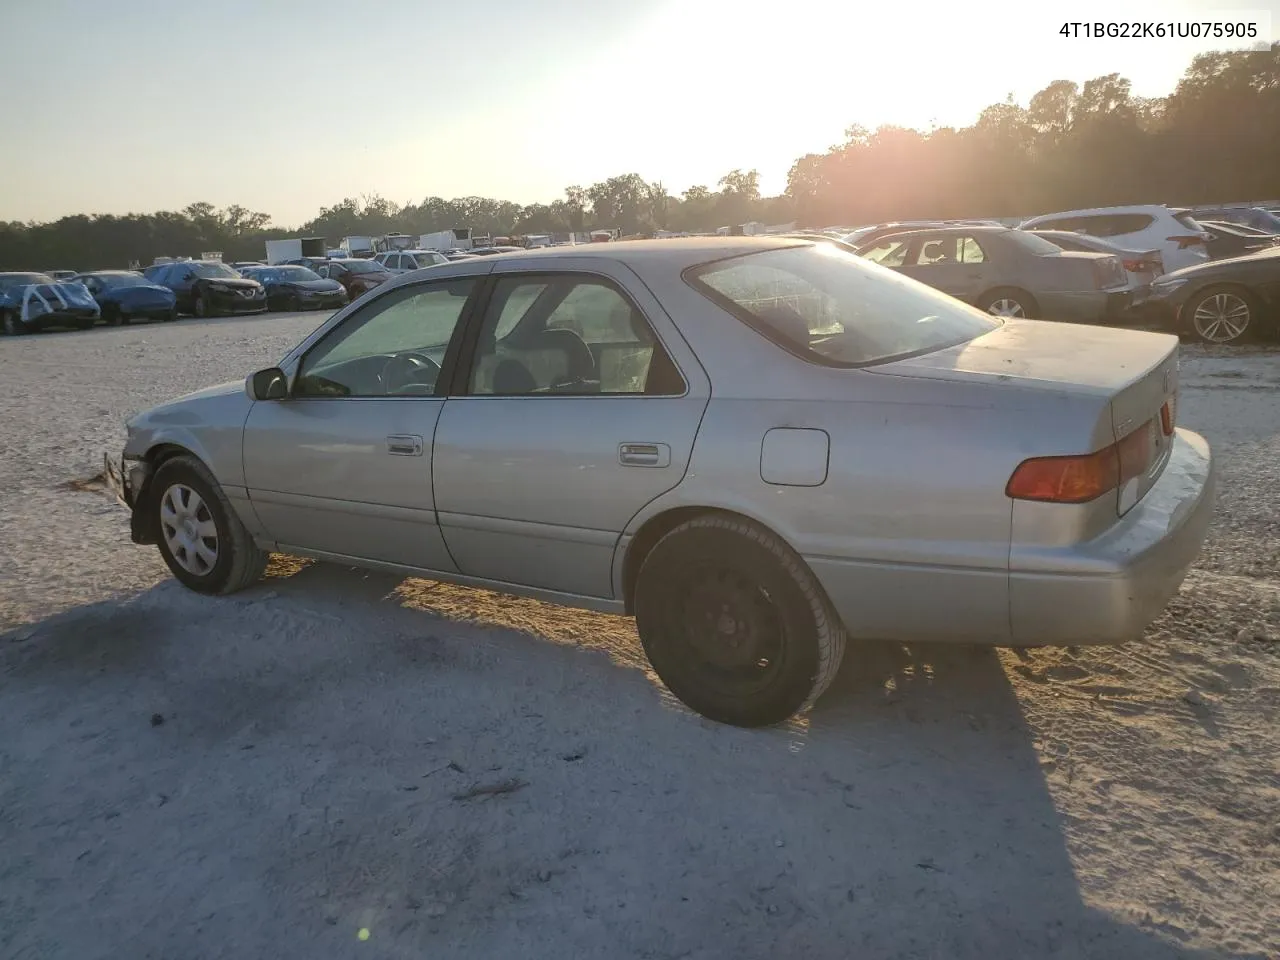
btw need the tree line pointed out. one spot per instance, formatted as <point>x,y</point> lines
<point>1215,138</point>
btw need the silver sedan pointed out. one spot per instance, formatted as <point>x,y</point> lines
<point>759,447</point>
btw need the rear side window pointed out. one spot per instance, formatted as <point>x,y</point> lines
<point>1116,224</point>
<point>835,308</point>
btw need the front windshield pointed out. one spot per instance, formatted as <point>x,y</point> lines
<point>23,279</point>
<point>837,308</point>
<point>213,271</point>
<point>363,266</point>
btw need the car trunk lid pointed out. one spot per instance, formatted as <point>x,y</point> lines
<point>1136,372</point>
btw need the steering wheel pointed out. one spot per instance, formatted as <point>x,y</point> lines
<point>409,373</point>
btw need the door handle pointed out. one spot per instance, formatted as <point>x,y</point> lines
<point>644,454</point>
<point>404,445</point>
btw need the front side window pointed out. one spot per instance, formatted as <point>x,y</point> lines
<point>393,347</point>
<point>568,334</point>
<point>936,250</point>
<point>836,308</point>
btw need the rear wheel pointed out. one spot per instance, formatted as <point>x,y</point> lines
<point>112,315</point>
<point>1222,315</point>
<point>201,539</point>
<point>86,324</point>
<point>13,327</point>
<point>1009,302</point>
<point>735,624</point>
<point>201,307</point>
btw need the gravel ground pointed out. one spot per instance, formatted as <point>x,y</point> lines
<point>339,764</point>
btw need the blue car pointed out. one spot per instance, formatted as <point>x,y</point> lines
<point>125,296</point>
<point>35,301</point>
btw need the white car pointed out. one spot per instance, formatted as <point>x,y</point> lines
<point>403,261</point>
<point>1173,231</point>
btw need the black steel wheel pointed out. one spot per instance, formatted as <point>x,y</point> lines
<point>734,622</point>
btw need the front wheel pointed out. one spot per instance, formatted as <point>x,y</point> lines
<point>199,535</point>
<point>113,316</point>
<point>1221,315</point>
<point>201,306</point>
<point>13,327</point>
<point>734,622</point>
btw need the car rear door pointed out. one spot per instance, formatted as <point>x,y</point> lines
<point>577,404</point>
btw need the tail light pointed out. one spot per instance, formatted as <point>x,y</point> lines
<point>1187,240</point>
<point>1079,479</point>
<point>1167,414</point>
<point>1134,266</point>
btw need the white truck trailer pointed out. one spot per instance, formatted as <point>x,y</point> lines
<point>295,248</point>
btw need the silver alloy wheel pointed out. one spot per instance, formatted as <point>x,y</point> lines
<point>189,529</point>
<point>1006,307</point>
<point>1221,318</point>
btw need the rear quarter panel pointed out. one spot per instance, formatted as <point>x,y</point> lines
<point>910,532</point>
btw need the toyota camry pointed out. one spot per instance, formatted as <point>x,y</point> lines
<point>763,449</point>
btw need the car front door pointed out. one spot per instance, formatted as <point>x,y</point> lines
<point>342,467</point>
<point>576,405</point>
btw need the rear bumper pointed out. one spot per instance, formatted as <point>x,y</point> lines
<point>1092,306</point>
<point>1109,589</point>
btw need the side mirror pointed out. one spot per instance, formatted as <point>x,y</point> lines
<point>269,384</point>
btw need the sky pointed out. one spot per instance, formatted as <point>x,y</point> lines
<point>118,106</point>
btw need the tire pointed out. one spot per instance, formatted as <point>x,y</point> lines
<point>776,637</point>
<point>200,308</point>
<point>170,316</point>
<point>113,316</point>
<point>1222,314</point>
<point>86,324</point>
<point>997,302</point>
<point>13,327</point>
<point>237,563</point>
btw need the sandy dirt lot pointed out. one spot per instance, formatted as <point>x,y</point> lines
<point>334,755</point>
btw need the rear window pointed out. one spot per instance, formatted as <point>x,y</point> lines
<point>1116,224</point>
<point>835,308</point>
<point>1033,244</point>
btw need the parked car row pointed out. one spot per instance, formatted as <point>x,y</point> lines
<point>1217,280</point>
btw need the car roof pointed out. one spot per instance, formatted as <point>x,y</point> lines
<point>979,229</point>
<point>1152,208</point>
<point>679,252</point>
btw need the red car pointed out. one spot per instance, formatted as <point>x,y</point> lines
<point>355,274</point>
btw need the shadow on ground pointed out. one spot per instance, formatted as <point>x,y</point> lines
<point>320,741</point>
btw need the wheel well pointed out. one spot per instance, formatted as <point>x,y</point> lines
<point>1007,288</point>
<point>653,530</point>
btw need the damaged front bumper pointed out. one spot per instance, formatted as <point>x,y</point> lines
<point>129,480</point>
